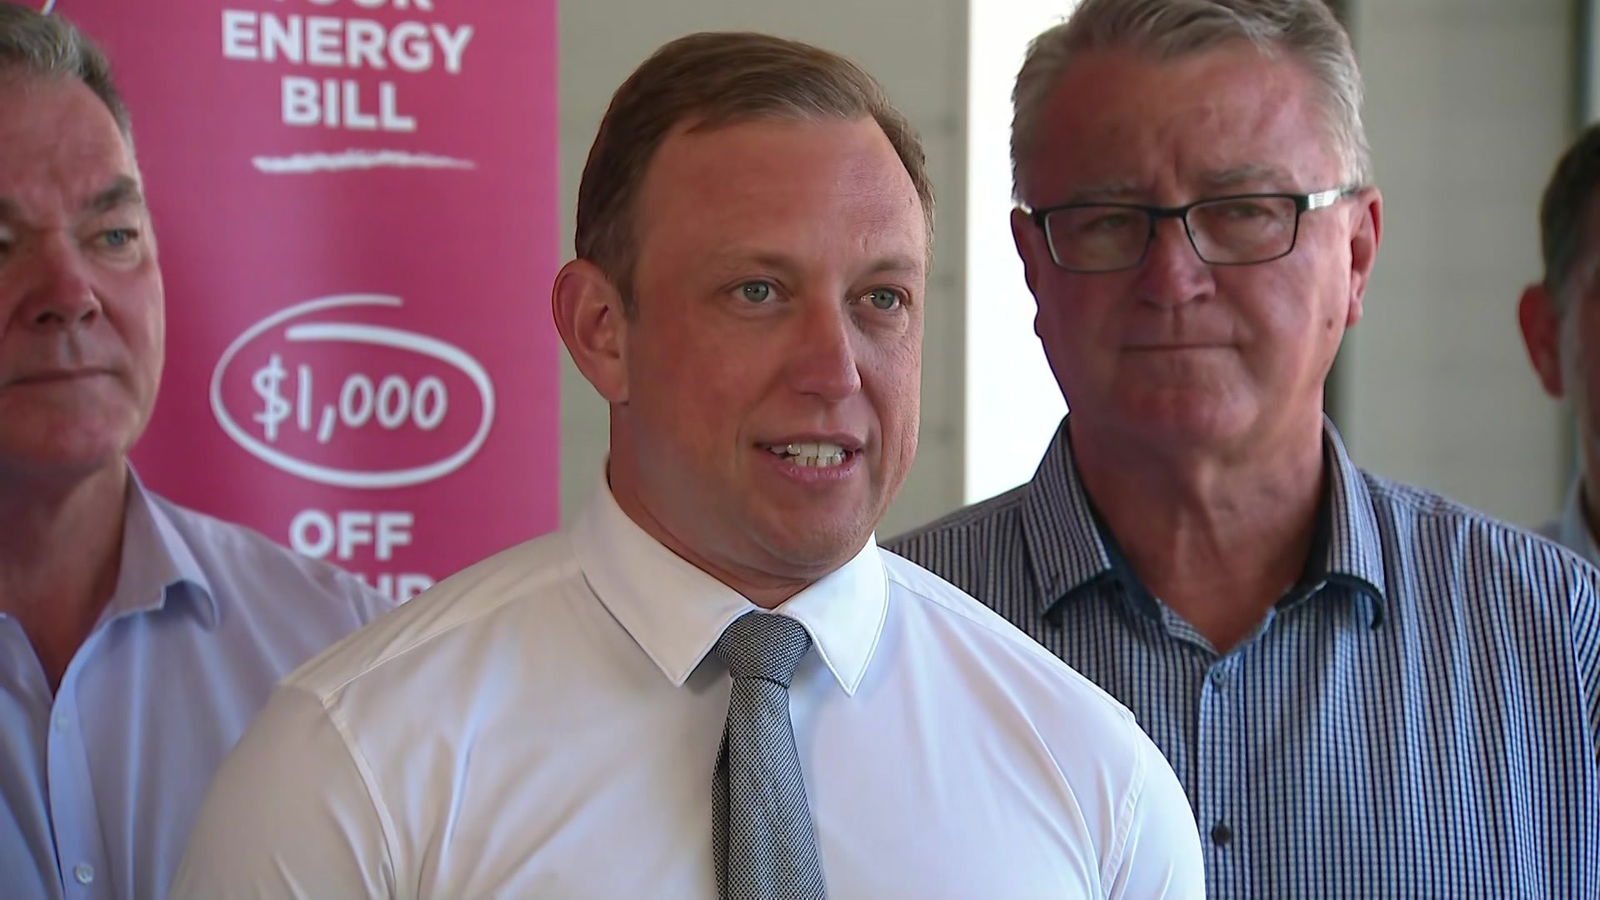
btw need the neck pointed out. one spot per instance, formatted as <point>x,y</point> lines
<point>764,589</point>
<point>1589,477</point>
<point>1219,537</point>
<point>1587,505</point>
<point>60,558</point>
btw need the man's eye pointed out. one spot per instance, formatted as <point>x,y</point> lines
<point>115,240</point>
<point>756,291</point>
<point>118,237</point>
<point>1244,210</point>
<point>1117,221</point>
<point>884,298</point>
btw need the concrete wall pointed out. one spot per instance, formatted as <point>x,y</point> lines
<point>1468,104</point>
<point>917,48</point>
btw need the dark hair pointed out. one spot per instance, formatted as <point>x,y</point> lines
<point>1567,198</point>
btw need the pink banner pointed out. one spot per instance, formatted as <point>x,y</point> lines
<point>356,205</point>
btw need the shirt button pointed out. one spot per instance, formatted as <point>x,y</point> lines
<point>84,873</point>
<point>61,721</point>
<point>1221,835</point>
<point>1219,677</point>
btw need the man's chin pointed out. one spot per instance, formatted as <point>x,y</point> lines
<point>1169,424</point>
<point>813,549</point>
<point>1196,414</point>
<point>57,468</point>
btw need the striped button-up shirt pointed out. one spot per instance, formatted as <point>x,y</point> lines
<point>1419,717</point>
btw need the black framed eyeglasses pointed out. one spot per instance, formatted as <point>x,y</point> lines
<point>1237,230</point>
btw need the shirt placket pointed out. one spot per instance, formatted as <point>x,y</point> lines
<point>1219,753</point>
<point>80,853</point>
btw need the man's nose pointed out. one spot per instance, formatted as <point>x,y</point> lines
<point>1173,272</point>
<point>58,292</point>
<point>823,355</point>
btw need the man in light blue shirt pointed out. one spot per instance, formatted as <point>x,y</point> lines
<point>1561,322</point>
<point>137,638</point>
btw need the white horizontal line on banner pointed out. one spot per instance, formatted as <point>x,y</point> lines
<point>307,163</point>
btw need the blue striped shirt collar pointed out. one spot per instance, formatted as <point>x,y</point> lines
<point>1071,552</point>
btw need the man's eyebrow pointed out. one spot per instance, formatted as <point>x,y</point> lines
<point>124,191</point>
<point>1220,179</point>
<point>1106,190</point>
<point>895,264</point>
<point>734,261</point>
<point>1250,174</point>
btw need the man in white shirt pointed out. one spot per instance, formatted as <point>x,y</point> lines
<point>558,721</point>
<point>1561,325</point>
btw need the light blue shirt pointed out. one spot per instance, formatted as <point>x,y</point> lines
<point>102,780</point>
<point>1571,530</point>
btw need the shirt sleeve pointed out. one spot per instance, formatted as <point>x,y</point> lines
<point>1161,849</point>
<point>288,815</point>
<point>368,602</point>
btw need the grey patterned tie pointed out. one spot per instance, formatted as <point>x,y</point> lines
<point>761,826</point>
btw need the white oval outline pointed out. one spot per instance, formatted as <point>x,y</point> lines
<point>354,333</point>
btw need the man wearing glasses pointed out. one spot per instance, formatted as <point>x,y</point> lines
<point>1366,689</point>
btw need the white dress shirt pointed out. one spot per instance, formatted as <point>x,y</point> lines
<point>546,723</point>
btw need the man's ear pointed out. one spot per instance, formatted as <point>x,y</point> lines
<point>1365,236</point>
<point>589,315</point>
<point>1031,247</point>
<point>1540,319</point>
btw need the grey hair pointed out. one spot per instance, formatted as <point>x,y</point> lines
<point>1168,29</point>
<point>1563,211</point>
<point>44,46</point>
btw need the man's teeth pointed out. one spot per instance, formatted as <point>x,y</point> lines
<point>813,455</point>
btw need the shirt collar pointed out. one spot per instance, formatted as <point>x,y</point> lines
<point>1355,545</point>
<point>1071,551</point>
<point>1572,529</point>
<point>1059,528</point>
<point>675,612</point>
<point>156,563</point>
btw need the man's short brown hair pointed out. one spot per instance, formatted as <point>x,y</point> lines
<point>713,79</point>
<point>1563,212</point>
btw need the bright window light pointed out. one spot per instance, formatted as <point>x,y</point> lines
<point>1013,405</point>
